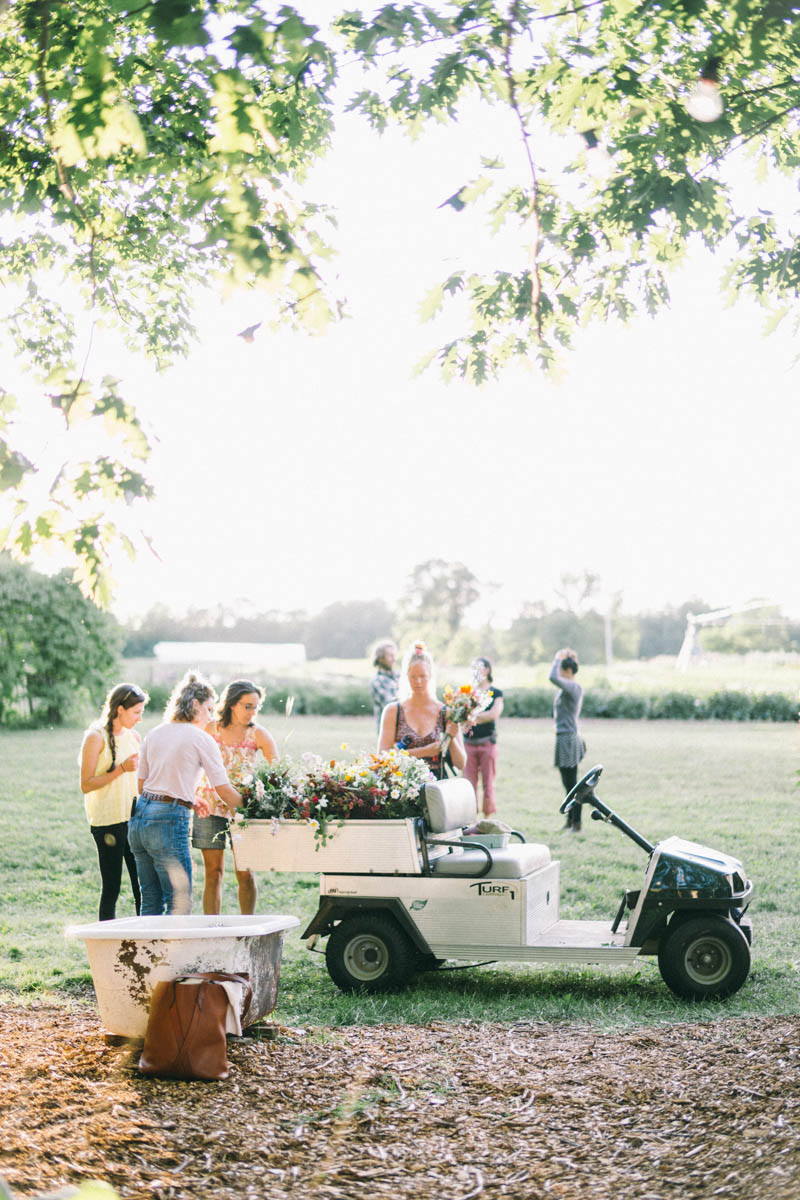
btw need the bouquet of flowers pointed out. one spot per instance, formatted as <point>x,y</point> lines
<point>461,705</point>
<point>272,790</point>
<point>371,787</point>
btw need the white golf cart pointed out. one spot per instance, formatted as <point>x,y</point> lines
<point>449,896</point>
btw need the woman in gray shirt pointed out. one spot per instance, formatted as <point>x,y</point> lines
<point>570,746</point>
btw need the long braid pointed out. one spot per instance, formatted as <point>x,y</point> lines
<point>111,741</point>
<point>124,695</point>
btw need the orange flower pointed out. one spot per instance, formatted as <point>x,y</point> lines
<point>466,689</point>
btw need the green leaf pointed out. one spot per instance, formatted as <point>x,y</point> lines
<point>431,304</point>
<point>14,466</point>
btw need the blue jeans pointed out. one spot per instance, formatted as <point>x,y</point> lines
<point>158,835</point>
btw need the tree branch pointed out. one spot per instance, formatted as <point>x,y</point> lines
<point>536,283</point>
<point>64,183</point>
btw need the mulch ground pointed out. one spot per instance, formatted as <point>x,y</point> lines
<point>452,1111</point>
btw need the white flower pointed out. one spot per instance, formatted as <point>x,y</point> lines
<point>247,780</point>
<point>314,824</point>
<point>323,803</point>
<point>395,793</point>
<point>261,791</point>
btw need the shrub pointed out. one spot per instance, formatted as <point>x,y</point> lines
<point>773,706</point>
<point>528,702</point>
<point>59,649</point>
<point>619,705</point>
<point>159,694</point>
<point>676,706</point>
<point>350,699</point>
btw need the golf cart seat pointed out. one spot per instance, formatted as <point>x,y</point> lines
<point>451,808</point>
<point>511,862</point>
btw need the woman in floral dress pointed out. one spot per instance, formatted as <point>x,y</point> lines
<point>240,740</point>
<point>418,721</point>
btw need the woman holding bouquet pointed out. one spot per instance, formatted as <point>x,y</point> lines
<point>240,740</point>
<point>480,738</point>
<point>108,761</point>
<point>417,720</point>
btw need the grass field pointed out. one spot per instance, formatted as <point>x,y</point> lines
<point>731,786</point>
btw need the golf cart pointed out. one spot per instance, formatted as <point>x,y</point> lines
<point>457,898</point>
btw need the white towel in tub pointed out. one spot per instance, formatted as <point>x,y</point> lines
<point>235,994</point>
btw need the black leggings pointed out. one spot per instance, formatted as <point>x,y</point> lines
<point>112,848</point>
<point>569,777</point>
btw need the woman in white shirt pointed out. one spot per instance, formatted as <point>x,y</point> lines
<point>171,762</point>
<point>108,760</point>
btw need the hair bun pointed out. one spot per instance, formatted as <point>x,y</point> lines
<point>419,647</point>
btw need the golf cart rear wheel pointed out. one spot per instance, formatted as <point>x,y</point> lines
<point>704,957</point>
<point>369,953</point>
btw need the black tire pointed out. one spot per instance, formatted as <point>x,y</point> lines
<point>703,957</point>
<point>368,952</point>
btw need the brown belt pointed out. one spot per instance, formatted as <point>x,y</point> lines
<point>167,799</point>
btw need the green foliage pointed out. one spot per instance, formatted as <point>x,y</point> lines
<point>616,705</point>
<point>763,630</point>
<point>350,699</point>
<point>593,250</point>
<point>675,706</point>
<point>527,702</point>
<point>309,698</point>
<point>435,601</point>
<point>57,647</point>
<point>344,629</point>
<point>147,150</point>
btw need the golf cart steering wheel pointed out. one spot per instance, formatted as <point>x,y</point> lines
<point>587,784</point>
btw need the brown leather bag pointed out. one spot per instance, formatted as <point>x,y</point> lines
<point>185,1036</point>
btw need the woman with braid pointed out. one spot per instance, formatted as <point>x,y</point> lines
<point>108,760</point>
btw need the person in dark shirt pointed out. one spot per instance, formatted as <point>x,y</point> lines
<point>480,740</point>
<point>570,746</point>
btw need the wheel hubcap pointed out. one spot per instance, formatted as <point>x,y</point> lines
<point>708,960</point>
<point>366,957</point>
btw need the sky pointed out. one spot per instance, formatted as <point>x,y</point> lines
<point>296,471</point>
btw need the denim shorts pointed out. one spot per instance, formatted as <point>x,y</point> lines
<point>210,833</point>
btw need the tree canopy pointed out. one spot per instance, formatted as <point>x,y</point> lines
<point>58,649</point>
<point>617,72</point>
<point>145,149</point>
<point>148,147</point>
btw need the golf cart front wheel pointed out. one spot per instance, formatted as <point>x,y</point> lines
<point>704,957</point>
<point>369,953</point>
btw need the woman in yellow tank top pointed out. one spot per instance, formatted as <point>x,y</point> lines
<point>108,760</point>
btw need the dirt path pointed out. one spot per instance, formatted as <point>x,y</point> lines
<point>447,1111</point>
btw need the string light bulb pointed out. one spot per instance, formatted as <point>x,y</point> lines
<point>705,102</point>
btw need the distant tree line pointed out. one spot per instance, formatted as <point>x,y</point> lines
<point>436,604</point>
<point>59,652</point>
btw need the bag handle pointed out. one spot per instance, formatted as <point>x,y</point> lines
<point>224,977</point>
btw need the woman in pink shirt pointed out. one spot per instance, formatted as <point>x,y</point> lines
<point>172,760</point>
